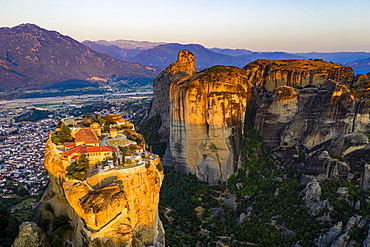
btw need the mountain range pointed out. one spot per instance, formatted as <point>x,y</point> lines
<point>159,55</point>
<point>34,58</point>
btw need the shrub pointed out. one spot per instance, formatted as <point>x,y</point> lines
<point>159,167</point>
<point>49,208</point>
<point>63,135</point>
<point>336,156</point>
<point>78,170</point>
<point>60,221</point>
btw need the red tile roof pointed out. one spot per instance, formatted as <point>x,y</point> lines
<point>89,149</point>
<point>69,144</point>
<point>87,136</point>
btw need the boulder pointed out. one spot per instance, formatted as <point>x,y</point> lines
<point>31,235</point>
<point>328,238</point>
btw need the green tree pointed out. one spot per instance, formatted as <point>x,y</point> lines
<point>78,170</point>
<point>22,192</point>
<point>124,150</point>
<point>133,147</point>
<point>100,121</point>
<point>114,158</point>
<point>65,133</point>
<point>83,162</point>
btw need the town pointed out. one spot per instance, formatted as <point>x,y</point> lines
<point>22,155</point>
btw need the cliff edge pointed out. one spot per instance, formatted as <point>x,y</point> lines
<point>202,117</point>
<point>111,207</point>
<point>296,105</point>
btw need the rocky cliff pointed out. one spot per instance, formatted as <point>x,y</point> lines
<point>118,207</point>
<point>316,111</point>
<point>270,74</point>
<point>202,117</point>
<point>295,104</point>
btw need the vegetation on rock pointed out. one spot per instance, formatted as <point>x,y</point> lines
<point>78,169</point>
<point>63,135</point>
<point>149,129</point>
<point>9,228</point>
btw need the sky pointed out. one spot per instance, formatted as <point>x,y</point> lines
<point>259,25</point>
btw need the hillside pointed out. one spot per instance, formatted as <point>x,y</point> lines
<point>162,55</point>
<point>121,49</point>
<point>34,58</point>
<point>361,66</point>
<point>111,50</point>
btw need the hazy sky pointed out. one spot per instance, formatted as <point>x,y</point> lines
<point>260,25</point>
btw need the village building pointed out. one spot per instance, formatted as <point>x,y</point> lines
<point>113,133</point>
<point>93,153</point>
<point>83,136</point>
<point>96,128</point>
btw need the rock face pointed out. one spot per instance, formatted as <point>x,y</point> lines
<point>271,74</point>
<point>330,236</point>
<point>311,198</point>
<point>31,235</point>
<point>113,208</point>
<point>313,114</point>
<point>202,117</point>
<point>362,82</point>
<point>308,109</point>
<point>313,108</point>
<point>346,156</point>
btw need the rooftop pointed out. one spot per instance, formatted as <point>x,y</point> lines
<point>89,149</point>
<point>87,136</point>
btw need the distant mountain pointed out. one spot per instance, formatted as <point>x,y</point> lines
<point>271,55</point>
<point>156,55</point>
<point>250,55</point>
<point>359,61</point>
<point>336,57</point>
<point>111,50</point>
<point>34,58</point>
<point>232,52</point>
<point>130,47</point>
<point>360,66</point>
<point>133,44</point>
<point>163,55</point>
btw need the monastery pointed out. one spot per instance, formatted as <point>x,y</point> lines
<point>100,143</point>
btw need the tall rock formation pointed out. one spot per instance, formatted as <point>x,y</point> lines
<point>118,207</point>
<point>297,105</point>
<point>313,108</point>
<point>202,117</point>
<point>270,74</point>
